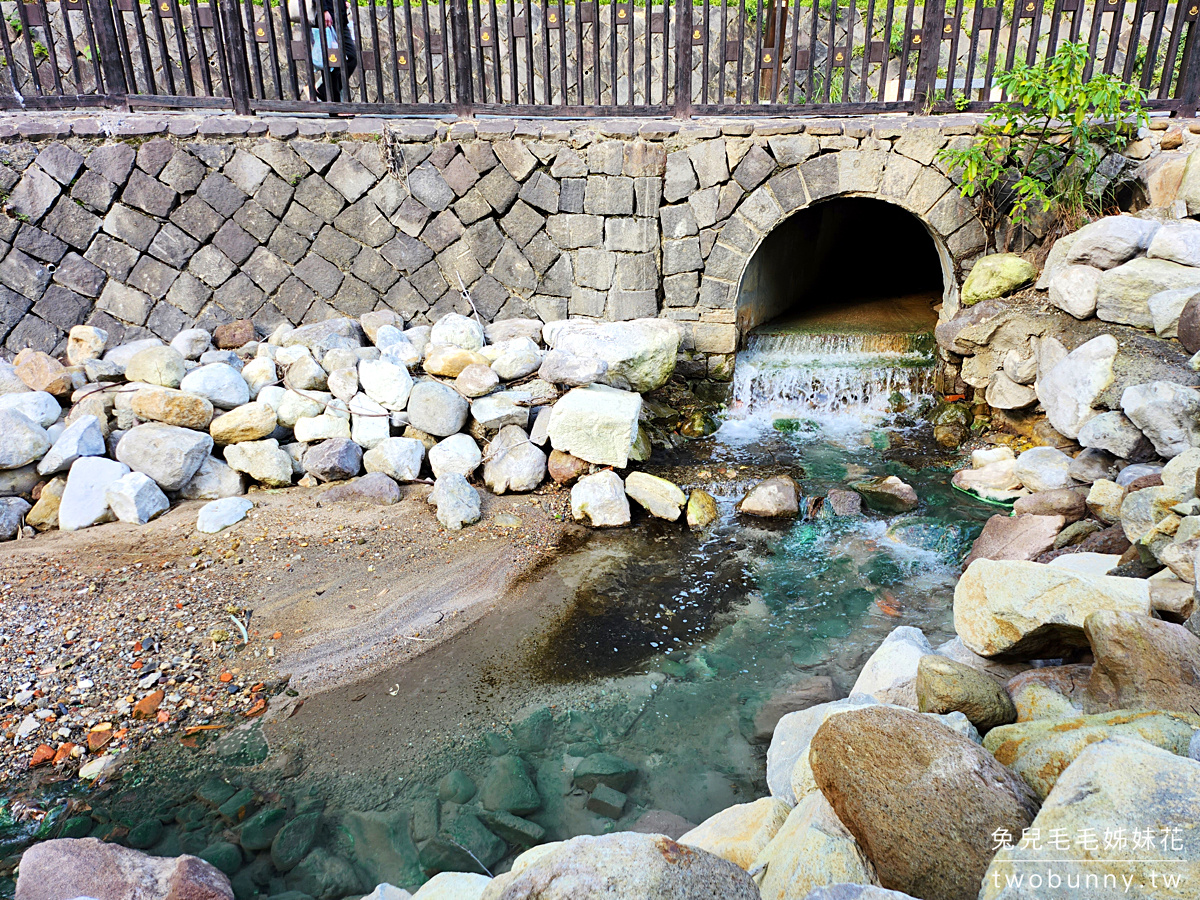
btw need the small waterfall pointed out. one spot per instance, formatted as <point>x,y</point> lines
<point>818,376</point>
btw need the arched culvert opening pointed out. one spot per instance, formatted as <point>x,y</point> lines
<point>846,259</point>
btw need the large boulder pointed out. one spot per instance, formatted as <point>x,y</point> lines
<point>135,498</point>
<point>812,849</point>
<point>894,777</point>
<point>596,423</point>
<point>944,685</point>
<point>333,460</point>
<point>890,675</point>
<point>640,354</point>
<point>625,865</point>
<point>37,406</point>
<point>399,458</point>
<point>1073,290</point>
<point>214,480</point>
<point>1142,663</point>
<point>739,833</point>
<point>1111,241</point>
<point>221,384</point>
<point>790,742</point>
<point>1114,432</point>
<point>22,441</point>
<point>995,276</point>
<point>264,461</point>
<point>84,499</point>
<point>513,462</point>
<point>171,406</point>
<point>1070,390</point>
<point>599,500</point>
<point>159,365</point>
<point>1040,751</point>
<point>1168,414</point>
<point>87,867</point>
<point>168,454</point>
<point>1124,293</point>
<point>1010,609</point>
<point>387,384</point>
<point>1112,781</point>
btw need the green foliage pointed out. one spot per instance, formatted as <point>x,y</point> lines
<point>1041,147</point>
<point>14,22</point>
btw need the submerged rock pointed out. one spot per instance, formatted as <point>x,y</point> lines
<point>701,509</point>
<point>887,493</point>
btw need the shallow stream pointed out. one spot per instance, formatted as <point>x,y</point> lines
<point>670,649</point>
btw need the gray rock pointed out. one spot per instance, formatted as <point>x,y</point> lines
<point>513,462</point>
<point>1177,241</point>
<point>560,367</point>
<point>158,365</point>
<point>1073,290</point>
<point>775,497</point>
<point>220,384</point>
<point>400,458</point>
<point>890,674</point>
<point>334,460</point>
<point>457,454</point>
<point>597,424</point>
<point>12,514</point>
<point>517,363</point>
<point>476,380</point>
<point>1111,241</point>
<point>376,488</point>
<point>640,354</point>
<point>38,407</point>
<point>123,353</point>
<point>21,440</point>
<point>1044,469</point>
<point>82,437</point>
<point>84,500</point>
<point>456,501</point>
<point>168,454</point>
<point>136,499</point>
<point>502,408</point>
<point>387,384</point>
<point>214,480</point>
<point>191,342</point>
<point>220,514</point>
<point>1167,414</point>
<point>1070,390</point>
<point>1167,306</point>
<point>437,409</point>
<point>1124,292</point>
<point>457,331</point>
<point>1112,431</point>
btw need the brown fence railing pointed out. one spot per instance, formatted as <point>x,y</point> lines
<point>552,57</point>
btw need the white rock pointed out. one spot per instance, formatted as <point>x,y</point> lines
<point>370,423</point>
<point>22,441</point>
<point>386,383</point>
<point>540,432</point>
<point>457,454</point>
<point>597,424</point>
<point>168,454</point>
<point>263,461</point>
<point>1111,241</point>
<point>1112,431</point>
<point>272,395</point>
<point>306,374</point>
<point>453,886</point>
<point>1087,563</point>
<point>321,428</point>
<point>513,463</point>
<point>502,408</point>
<point>1004,393</point>
<point>136,499</point>
<point>890,675</point>
<point>1168,414</point>
<point>84,501</point>
<point>37,406</point>
<point>227,357</point>
<point>457,331</point>
<point>985,456</point>
<point>640,354</point>
<point>400,458</point>
<point>221,384</point>
<point>286,356</point>
<point>258,373</point>
<point>214,480</point>
<point>1177,241</point>
<point>1044,469</point>
<point>123,353</point>
<point>191,342</point>
<point>456,501</point>
<point>1167,306</point>
<point>560,367</point>
<point>1070,390</point>
<point>295,406</point>
<point>10,381</point>
<point>85,342</point>
<point>397,349</point>
<point>343,383</point>
<point>1073,290</point>
<point>658,496</point>
<point>220,514</point>
<point>82,437</point>
<point>600,500</point>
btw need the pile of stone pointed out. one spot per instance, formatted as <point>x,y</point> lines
<point>122,432</point>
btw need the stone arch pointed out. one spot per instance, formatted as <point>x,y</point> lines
<point>922,189</point>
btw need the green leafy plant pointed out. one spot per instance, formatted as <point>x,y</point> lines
<point>1038,151</point>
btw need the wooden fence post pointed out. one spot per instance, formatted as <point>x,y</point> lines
<point>928,55</point>
<point>235,51</point>
<point>108,48</point>
<point>464,87</point>
<point>1187,90</point>
<point>683,60</point>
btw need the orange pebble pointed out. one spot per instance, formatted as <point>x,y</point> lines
<point>226,677</point>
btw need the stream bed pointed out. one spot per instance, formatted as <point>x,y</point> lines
<point>665,653</point>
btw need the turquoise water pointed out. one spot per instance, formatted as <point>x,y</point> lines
<point>653,644</point>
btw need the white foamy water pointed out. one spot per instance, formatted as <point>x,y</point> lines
<point>840,383</point>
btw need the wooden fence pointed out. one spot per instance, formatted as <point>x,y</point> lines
<point>551,57</point>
